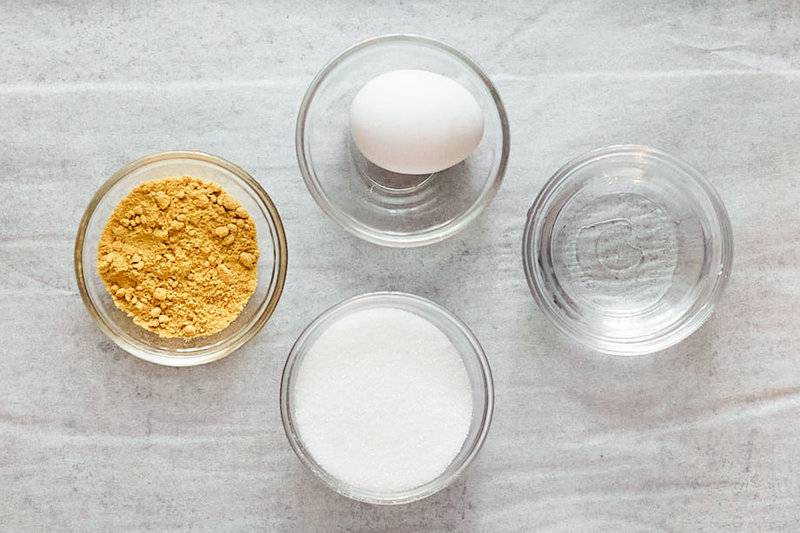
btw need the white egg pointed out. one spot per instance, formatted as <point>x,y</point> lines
<point>415,121</point>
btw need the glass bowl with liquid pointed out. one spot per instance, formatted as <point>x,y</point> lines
<point>388,208</point>
<point>627,249</point>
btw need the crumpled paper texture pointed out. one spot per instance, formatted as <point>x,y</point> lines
<point>703,436</point>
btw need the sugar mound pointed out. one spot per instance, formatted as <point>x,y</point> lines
<point>382,400</point>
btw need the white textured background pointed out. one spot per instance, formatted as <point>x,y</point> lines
<point>705,436</point>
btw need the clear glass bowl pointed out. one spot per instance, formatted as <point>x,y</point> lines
<point>627,249</point>
<point>379,206</point>
<point>271,263</point>
<point>474,359</point>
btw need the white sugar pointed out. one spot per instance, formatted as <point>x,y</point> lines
<point>382,400</point>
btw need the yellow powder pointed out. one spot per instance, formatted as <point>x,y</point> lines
<point>179,256</point>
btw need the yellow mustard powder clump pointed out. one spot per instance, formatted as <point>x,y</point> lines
<point>179,256</point>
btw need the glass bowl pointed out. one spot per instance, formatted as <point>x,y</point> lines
<point>475,362</point>
<point>383,207</point>
<point>627,249</point>
<point>271,263</point>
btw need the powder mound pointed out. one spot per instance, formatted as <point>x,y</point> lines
<point>179,256</point>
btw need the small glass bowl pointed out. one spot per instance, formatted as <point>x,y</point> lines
<point>475,362</point>
<point>398,210</point>
<point>627,249</point>
<point>271,263</point>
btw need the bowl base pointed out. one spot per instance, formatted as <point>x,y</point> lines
<point>392,189</point>
<point>392,183</point>
<point>616,254</point>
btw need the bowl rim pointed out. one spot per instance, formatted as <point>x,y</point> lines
<point>662,339</point>
<point>386,238</point>
<point>299,348</point>
<point>279,269</point>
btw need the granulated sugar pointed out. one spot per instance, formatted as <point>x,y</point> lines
<point>382,400</point>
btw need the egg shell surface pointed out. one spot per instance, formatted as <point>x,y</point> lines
<point>415,121</point>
